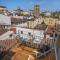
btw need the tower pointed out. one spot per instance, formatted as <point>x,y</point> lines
<point>36,11</point>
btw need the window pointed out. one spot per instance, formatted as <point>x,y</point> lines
<point>21,32</point>
<point>29,33</point>
<point>51,35</point>
<point>10,35</point>
<point>55,35</point>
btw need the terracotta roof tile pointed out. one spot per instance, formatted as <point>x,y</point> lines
<point>15,20</point>
<point>41,26</point>
<point>2,30</point>
<point>50,29</point>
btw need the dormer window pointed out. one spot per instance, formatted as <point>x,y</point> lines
<point>21,32</point>
<point>51,35</point>
<point>10,35</point>
<point>29,33</point>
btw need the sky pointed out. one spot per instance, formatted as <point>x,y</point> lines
<point>51,5</point>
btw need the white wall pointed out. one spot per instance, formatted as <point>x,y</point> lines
<point>58,22</point>
<point>5,20</point>
<point>22,25</point>
<point>35,33</point>
<point>6,35</point>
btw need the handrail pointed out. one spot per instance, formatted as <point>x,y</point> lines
<point>41,54</point>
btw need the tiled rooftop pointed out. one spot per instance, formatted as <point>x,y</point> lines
<point>15,20</point>
<point>50,29</point>
<point>2,30</point>
<point>41,27</point>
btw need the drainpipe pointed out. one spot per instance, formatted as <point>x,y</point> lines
<point>55,47</point>
<point>56,56</point>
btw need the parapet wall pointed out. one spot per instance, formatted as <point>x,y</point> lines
<point>7,44</point>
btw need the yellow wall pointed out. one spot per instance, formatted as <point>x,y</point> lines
<point>32,24</point>
<point>25,12</point>
<point>50,21</point>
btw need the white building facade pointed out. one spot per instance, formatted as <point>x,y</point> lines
<point>26,34</point>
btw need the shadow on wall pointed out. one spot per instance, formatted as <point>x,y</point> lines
<point>6,55</point>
